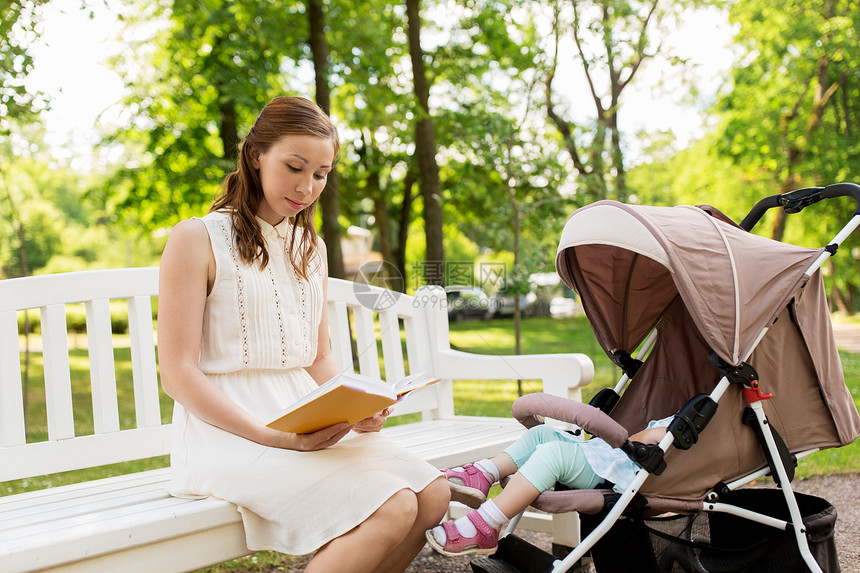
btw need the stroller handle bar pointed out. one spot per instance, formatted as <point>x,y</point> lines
<point>795,201</point>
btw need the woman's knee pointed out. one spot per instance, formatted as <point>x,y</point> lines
<point>433,502</point>
<point>402,506</point>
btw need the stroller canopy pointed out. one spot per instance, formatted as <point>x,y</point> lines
<point>628,263</point>
<point>706,284</point>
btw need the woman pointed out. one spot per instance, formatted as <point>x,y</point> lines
<point>243,333</point>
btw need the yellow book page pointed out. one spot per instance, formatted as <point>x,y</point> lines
<point>341,404</point>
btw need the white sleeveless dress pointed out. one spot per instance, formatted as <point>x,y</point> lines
<point>260,328</point>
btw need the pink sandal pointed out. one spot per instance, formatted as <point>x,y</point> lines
<point>473,492</point>
<point>485,541</point>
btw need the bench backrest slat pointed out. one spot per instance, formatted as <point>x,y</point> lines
<point>102,368</point>
<point>339,334</point>
<point>392,351</point>
<point>417,344</point>
<point>58,383</point>
<point>144,371</point>
<point>365,341</point>
<point>63,450</point>
<point>12,432</point>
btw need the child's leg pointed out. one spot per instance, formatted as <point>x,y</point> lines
<point>471,482</point>
<point>551,462</point>
<point>520,451</point>
<point>560,461</point>
<point>478,531</point>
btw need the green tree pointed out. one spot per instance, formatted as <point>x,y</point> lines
<point>18,108</point>
<point>374,101</point>
<point>790,117</point>
<point>330,200</point>
<point>611,40</point>
<point>19,21</point>
<point>216,64</point>
<point>425,143</point>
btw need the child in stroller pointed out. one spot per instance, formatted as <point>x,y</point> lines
<point>540,458</point>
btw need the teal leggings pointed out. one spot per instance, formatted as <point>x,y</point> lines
<point>545,456</point>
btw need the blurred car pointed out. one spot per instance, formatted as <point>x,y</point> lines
<point>562,306</point>
<point>503,303</point>
<point>467,302</point>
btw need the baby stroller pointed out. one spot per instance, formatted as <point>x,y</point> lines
<point>731,333</point>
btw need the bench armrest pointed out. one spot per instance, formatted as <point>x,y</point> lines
<point>562,374</point>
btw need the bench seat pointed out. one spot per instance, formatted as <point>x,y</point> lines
<point>111,525</point>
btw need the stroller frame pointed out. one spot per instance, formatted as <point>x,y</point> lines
<point>792,202</point>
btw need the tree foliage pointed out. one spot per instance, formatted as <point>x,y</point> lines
<point>513,151</point>
<point>19,20</point>
<point>611,41</point>
<point>790,118</point>
<point>211,69</point>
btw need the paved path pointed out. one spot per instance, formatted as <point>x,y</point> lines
<point>847,337</point>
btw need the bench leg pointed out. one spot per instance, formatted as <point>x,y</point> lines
<point>565,532</point>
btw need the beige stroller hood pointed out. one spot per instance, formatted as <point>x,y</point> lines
<point>708,285</point>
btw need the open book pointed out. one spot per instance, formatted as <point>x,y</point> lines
<point>348,397</point>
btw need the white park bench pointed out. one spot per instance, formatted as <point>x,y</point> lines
<point>129,522</point>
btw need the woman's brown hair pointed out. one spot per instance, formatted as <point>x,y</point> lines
<point>241,191</point>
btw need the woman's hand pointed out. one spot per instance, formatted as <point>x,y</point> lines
<point>373,423</point>
<point>318,440</point>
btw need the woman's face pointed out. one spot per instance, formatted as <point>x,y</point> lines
<point>293,173</point>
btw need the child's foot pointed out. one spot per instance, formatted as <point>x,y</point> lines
<point>469,485</point>
<point>448,540</point>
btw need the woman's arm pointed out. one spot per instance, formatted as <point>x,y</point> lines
<point>324,366</point>
<point>186,275</point>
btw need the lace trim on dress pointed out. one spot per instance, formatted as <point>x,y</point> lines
<point>303,298</point>
<point>280,312</point>
<point>241,302</point>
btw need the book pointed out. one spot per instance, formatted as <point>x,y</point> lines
<point>347,397</point>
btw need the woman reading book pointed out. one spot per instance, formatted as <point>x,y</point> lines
<point>243,333</point>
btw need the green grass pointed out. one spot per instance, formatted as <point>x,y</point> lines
<point>539,335</point>
<point>473,397</point>
<point>845,319</point>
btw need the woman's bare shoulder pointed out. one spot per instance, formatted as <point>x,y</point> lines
<point>188,242</point>
<point>190,233</point>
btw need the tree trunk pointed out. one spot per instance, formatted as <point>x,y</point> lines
<point>403,225</point>
<point>229,130</point>
<point>383,227</point>
<point>425,149</point>
<point>330,199</point>
<point>618,159</point>
<point>777,231</point>
<point>518,311</point>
